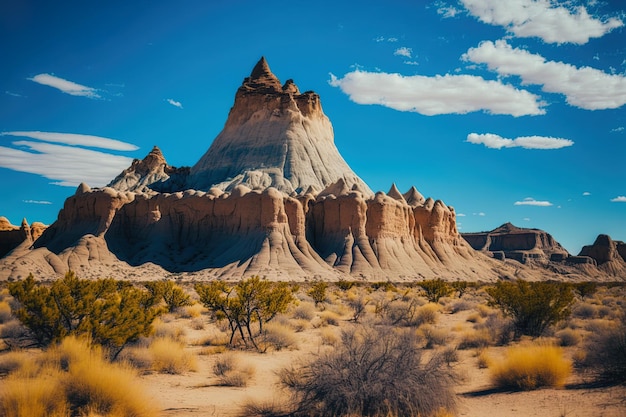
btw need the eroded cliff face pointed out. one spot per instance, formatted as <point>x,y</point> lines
<point>272,197</point>
<point>13,236</point>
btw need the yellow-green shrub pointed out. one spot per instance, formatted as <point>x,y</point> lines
<point>530,367</point>
<point>169,356</point>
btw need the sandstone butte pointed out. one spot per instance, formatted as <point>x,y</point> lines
<point>273,197</point>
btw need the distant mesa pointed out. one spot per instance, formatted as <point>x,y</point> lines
<point>273,197</point>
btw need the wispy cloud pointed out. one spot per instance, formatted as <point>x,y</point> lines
<point>585,87</point>
<point>618,129</point>
<point>175,103</point>
<point>545,19</point>
<point>403,51</point>
<point>384,39</point>
<point>446,10</point>
<point>64,162</point>
<point>494,141</point>
<point>445,94</point>
<point>619,199</point>
<point>12,94</point>
<point>75,139</point>
<point>411,62</point>
<point>586,193</point>
<point>68,87</point>
<point>529,201</point>
<point>36,202</point>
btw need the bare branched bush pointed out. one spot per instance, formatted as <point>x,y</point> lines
<point>373,372</point>
<point>606,353</point>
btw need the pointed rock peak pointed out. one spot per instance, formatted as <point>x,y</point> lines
<point>337,188</point>
<point>507,227</point>
<point>414,197</point>
<point>82,188</point>
<point>261,78</point>
<point>395,194</point>
<point>153,159</point>
<point>291,88</point>
<point>603,240</point>
<point>24,223</point>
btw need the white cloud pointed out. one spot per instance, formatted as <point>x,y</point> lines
<point>175,103</point>
<point>445,94</point>
<point>460,215</point>
<point>36,202</point>
<point>383,39</point>
<point>10,93</point>
<point>529,201</point>
<point>545,19</point>
<point>67,165</point>
<point>76,139</point>
<point>585,87</point>
<point>411,62</point>
<point>446,10</point>
<point>403,51</point>
<point>68,87</point>
<point>618,129</point>
<point>619,199</point>
<point>481,214</point>
<point>586,193</point>
<point>494,141</point>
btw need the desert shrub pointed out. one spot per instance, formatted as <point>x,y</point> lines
<point>372,372</point>
<point>474,339</point>
<point>585,289</point>
<point>426,314</point>
<point>501,329</point>
<point>329,336</point>
<point>530,367</point>
<point>73,376</point>
<point>329,318</point>
<point>606,353</point>
<point>345,285</point>
<point>164,330</point>
<point>533,306</point>
<point>112,313</point>
<point>568,337</point>
<point>305,311</point>
<point>264,408</point>
<point>386,286</point>
<point>435,289</point>
<point>318,292</point>
<point>193,311</point>
<point>231,373</point>
<point>250,301</point>
<point>449,355</point>
<point>277,336</point>
<point>483,359</point>
<point>585,311</point>
<point>358,303</point>
<point>460,305</point>
<point>170,293</point>
<point>462,286</point>
<point>433,336</point>
<point>169,356</point>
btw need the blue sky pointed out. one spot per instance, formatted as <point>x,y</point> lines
<point>507,110</point>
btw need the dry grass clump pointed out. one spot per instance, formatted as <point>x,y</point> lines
<point>277,336</point>
<point>605,352</point>
<point>265,408</point>
<point>329,318</point>
<point>169,356</point>
<point>433,336</point>
<point>474,339</point>
<point>585,311</point>
<point>305,311</point>
<point>5,312</point>
<point>191,312</point>
<point>231,372</point>
<point>329,336</point>
<point>72,376</point>
<point>529,367</point>
<point>568,337</point>
<point>166,330</point>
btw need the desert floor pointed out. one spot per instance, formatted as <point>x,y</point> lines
<point>460,325</point>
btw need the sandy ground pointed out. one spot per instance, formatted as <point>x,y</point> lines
<point>195,393</point>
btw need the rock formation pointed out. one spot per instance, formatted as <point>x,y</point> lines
<point>272,196</point>
<point>609,255</point>
<point>13,236</point>
<point>520,244</point>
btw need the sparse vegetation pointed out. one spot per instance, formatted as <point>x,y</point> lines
<point>605,353</point>
<point>533,306</point>
<point>372,372</point>
<point>318,292</point>
<point>170,293</point>
<point>112,313</point>
<point>435,289</point>
<point>230,371</point>
<point>250,301</point>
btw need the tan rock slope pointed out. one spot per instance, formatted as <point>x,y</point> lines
<point>271,196</point>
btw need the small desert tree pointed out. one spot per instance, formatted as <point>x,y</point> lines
<point>435,289</point>
<point>533,306</point>
<point>373,372</point>
<point>111,313</point>
<point>172,294</point>
<point>318,292</point>
<point>250,301</point>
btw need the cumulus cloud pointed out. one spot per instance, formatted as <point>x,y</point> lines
<point>494,141</point>
<point>64,161</point>
<point>545,19</point>
<point>619,199</point>
<point>175,103</point>
<point>529,201</point>
<point>75,139</point>
<point>585,87</point>
<point>403,51</point>
<point>445,94</point>
<point>68,87</point>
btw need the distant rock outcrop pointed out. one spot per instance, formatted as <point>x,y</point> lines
<point>609,254</point>
<point>272,196</point>
<point>13,236</point>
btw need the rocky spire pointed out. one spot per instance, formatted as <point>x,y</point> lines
<point>261,79</point>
